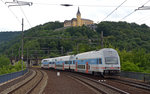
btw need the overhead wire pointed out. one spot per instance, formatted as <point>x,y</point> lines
<point>128,15</point>
<point>82,5</point>
<point>25,16</point>
<point>78,5</point>
<point>133,11</point>
<point>12,12</point>
<point>16,16</point>
<point>144,19</point>
<point>145,3</point>
<point>114,10</point>
<point>45,4</point>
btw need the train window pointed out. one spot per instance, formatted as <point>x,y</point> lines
<point>111,60</point>
<point>81,66</point>
<point>66,62</point>
<point>70,62</point>
<point>45,60</point>
<point>100,61</point>
<point>73,62</point>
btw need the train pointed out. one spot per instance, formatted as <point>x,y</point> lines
<point>105,61</point>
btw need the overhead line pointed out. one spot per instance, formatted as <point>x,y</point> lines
<point>143,19</point>
<point>25,16</point>
<point>134,11</point>
<point>12,12</point>
<point>145,3</point>
<point>114,10</point>
<point>85,5</point>
<point>128,15</point>
<point>46,4</point>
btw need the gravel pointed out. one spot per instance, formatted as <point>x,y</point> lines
<point>64,85</point>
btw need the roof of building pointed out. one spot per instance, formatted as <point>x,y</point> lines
<point>75,19</point>
<point>67,21</point>
<point>78,13</point>
<point>86,19</point>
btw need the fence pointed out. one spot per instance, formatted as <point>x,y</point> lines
<point>134,75</point>
<point>6,77</point>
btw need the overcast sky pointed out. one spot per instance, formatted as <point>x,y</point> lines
<point>43,11</point>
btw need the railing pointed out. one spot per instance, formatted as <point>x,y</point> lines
<point>135,75</point>
<point>6,77</point>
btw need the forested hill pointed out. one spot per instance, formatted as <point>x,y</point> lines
<point>7,36</point>
<point>131,40</point>
<point>126,36</point>
<point>121,35</point>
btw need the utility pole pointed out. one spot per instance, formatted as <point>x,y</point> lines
<point>22,45</point>
<point>19,54</point>
<point>27,58</point>
<point>102,45</point>
<point>20,3</point>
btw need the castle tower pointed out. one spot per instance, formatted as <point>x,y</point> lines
<point>78,18</point>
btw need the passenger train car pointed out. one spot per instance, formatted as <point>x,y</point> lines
<point>105,62</point>
<point>47,63</point>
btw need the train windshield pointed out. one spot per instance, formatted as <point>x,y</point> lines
<point>111,60</point>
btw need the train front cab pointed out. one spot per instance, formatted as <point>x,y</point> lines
<point>112,66</point>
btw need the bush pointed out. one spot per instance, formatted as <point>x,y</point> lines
<point>6,67</point>
<point>4,61</point>
<point>128,66</point>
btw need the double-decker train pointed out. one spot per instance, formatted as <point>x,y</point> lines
<point>104,62</point>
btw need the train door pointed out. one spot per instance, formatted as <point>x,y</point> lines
<point>63,66</point>
<point>76,66</point>
<point>69,64</point>
<point>87,67</point>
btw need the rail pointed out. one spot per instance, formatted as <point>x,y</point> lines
<point>99,86</point>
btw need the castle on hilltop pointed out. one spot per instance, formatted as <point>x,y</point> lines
<point>77,21</point>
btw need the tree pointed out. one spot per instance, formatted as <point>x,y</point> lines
<point>4,61</point>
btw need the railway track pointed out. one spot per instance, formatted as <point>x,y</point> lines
<point>131,83</point>
<point>29,85</point>
<point>122,84</point>
<point>99,87</point>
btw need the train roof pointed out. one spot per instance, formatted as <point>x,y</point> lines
<point>64,58</point>
<point>47,59</point>
<point>93,54</point>
<point>85,55</point>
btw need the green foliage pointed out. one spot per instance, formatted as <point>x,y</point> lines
<point>137,60</point>
<point>6,67</point>
<point>7,36</point>
<point>125,35</point>
<point>128,66</point>
<point>4,61</point>
<point>51,40</point>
